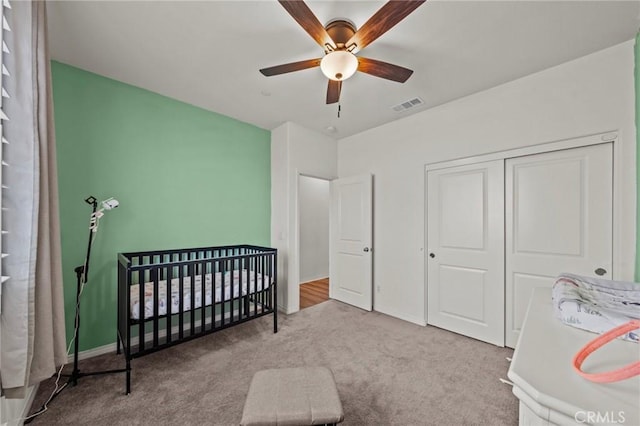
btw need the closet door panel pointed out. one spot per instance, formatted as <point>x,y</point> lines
<point>523,285</point>
<point>465,256</point>
<point>558,212</point>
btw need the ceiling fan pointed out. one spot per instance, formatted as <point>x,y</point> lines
<point>341,41</point>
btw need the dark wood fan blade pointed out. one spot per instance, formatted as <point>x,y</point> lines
<point>384,69</point>
<point>307,20</point>
<point>293,66</point>
<point>333,91</point>
<point>382,21</point>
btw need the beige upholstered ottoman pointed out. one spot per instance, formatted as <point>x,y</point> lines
<point>292,396</point>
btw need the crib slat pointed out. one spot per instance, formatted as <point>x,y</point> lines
<point>237,301</point>
<point>245,297</point>
<point>192,317</point>
<point>260,265</point>
<point>169,301</point>
<point>212,266</point>
<point>156,307</point>
<point>229,299</point>
<point>203,297</point>
<point>141,308</point>
<point>255,285</point>
<point>232,286</point>
<point>237,291</point>
<point>223,292</point>
<point>180,301</point>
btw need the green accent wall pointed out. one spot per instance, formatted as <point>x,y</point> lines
<point>185,177</point>
<point>637,73</point>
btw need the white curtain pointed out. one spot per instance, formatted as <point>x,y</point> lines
<point>32,322</point>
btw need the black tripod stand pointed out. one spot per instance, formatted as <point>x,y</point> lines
<point>81,278</point>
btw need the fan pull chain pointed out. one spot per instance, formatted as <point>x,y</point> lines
<point>339,106</point>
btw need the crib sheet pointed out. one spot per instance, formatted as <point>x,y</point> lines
<point>245,282</point>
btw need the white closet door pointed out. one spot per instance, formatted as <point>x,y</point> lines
<point>465,256</point>
<point>558,219</point>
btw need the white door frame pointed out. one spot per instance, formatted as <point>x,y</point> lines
<point>293,279</point>
<point>624,197</point>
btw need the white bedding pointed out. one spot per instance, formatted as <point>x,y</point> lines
<point>230,286</point>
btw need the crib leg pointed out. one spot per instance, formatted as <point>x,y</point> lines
<point>128,379</point>
<point>275,308</point>
<point>275,319</point>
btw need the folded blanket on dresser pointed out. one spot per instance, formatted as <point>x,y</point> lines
<point>595,304</point>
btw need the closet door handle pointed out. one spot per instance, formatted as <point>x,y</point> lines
<point>366,249</point>
<point>600,271</point>
<point>432,255</point>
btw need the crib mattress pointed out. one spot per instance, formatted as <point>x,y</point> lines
<point>235,285</point>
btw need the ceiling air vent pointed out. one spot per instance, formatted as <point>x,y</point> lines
<point>408,104</point>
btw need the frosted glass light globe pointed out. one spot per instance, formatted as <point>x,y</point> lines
<point>339,65</point>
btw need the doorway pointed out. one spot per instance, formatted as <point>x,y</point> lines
<point>313,210</point>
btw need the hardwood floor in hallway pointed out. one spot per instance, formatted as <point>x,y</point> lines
<point>314,292</point>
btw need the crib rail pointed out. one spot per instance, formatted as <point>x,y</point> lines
<point>168,297</point>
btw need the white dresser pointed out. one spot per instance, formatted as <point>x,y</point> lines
<point>551,392</point>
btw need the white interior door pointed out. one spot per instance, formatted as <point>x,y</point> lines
<point>465,256</point>
<point>350,261</point>
<point>558,219</point>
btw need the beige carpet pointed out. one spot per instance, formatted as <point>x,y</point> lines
<point>388,372</point>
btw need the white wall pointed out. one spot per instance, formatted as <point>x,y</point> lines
<point>589,95</point>
<point>295,151</point>
<point>313,205</point>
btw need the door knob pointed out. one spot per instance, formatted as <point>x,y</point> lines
<point>432,255</point>
<point>366,249</point>
<point>600,271</point>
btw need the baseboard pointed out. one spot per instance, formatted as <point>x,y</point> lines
<point>90,353</point>
<point>283,309</point>
<point>111,347</point>
<point>31,395</point>
<point>400,315</point>
<point>14,411</point>
<point>306,280</point>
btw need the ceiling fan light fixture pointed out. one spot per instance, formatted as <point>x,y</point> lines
<point>339,65</point>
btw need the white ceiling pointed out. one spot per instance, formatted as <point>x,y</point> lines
<point>208,53</point>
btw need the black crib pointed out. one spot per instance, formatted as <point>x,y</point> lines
<point>171,296</point>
